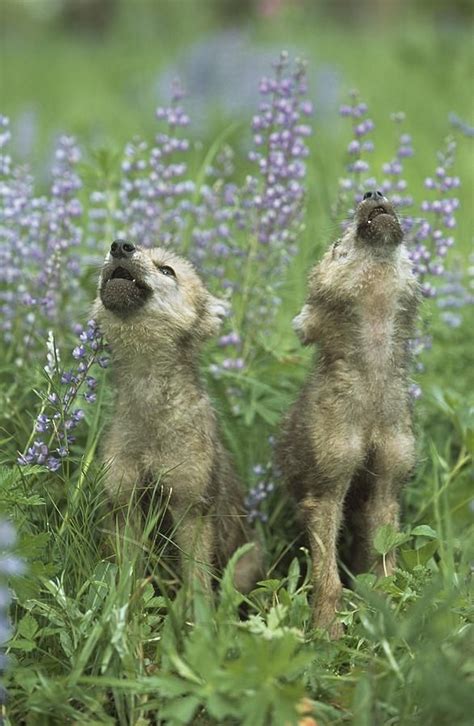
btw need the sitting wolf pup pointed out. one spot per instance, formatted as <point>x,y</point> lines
<point>155,313</point>
<point>347,445</point>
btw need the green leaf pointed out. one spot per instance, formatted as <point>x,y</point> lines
<point>22,644</point>
<point>387,538</point>
<point>276,616</point>
<point>469,438</point>
<point>28,627</point>
<point>420,556</point>
<point>285,598</point>
<point>366,580</point>
<point>362,703</point>
<point>183,669</point>
<point>65,640</point>
<point>294,572</point>
<point>271,585</point>
<point>230,598</point>
<point>33,545</point>
<point>180,710</point>
<point>425,530</point>
<point>171,686</point>
<point>255,711</point>
<point>221,706</point>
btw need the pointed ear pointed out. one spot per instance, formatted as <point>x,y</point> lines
<point>215,311</point>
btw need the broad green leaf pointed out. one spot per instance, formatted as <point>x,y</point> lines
<point>387,538</point>
<point>420,556</point>
<point>180,710</point>
<point>425,530</point>
<point>28,627</point>
<point>222,705</point>
<point>170,686</point>
<point>23,644</point>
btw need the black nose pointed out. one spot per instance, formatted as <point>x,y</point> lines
<point>121,248</point>
<point>373,195</point>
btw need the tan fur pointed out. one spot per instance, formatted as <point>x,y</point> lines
<point>164,429</point>
<point>347,442</point>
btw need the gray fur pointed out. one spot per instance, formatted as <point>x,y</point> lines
<point>347,442</point>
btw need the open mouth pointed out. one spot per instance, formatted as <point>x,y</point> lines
<point>120,273</point>
<point>376,212</point>
<point>377,223</point>
<point>121,292</point>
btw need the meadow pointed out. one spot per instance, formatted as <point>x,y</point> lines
<point>252,188</point>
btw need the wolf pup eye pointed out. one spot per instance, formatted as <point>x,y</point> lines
<point>166,270</point>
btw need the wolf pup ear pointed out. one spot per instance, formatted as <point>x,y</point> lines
<point>215,311</point>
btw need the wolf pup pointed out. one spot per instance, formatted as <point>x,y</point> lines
<point>156,313</point>
<point>347,445</point>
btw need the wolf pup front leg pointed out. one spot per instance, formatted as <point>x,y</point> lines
<point>156,314</point>
<point>347,445</point>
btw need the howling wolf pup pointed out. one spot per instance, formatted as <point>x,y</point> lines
<point>347,445</point>
<point>156,313</point>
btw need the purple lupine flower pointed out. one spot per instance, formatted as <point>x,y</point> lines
<point>60,414</point>
<point>272,198</point>
<point>38,237</point>
<point>155,193</point>
<point>233,364</point>
<point>257,496</point>
<point>216,214</point>
<point>275,192</point>
<point>463,126</point>
<point>61,232</point>
<point>429,236</point>
<point>393,185</point>
<point>353,185</point>
<point>232,338</point>
<point>454,294</point>
<point>250,230</point>
<point>10,565</point>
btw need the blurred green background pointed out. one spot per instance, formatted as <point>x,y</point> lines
<point>98,69</point>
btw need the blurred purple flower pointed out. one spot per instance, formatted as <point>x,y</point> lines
<point>38,236</point>
<point>10,565</point>
<point>256,501</point>
<point>213,69</point>
<point>60,415</point>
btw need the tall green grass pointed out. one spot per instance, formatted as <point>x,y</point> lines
<point>104,636</point>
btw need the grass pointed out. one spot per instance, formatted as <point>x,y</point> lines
<point>102,632</point>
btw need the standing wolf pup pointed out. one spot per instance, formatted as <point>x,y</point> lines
<point>155,312</point>
<point>347,445</point>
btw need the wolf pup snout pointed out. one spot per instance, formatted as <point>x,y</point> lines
<point>377,222</point>
<point>121,248</point>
